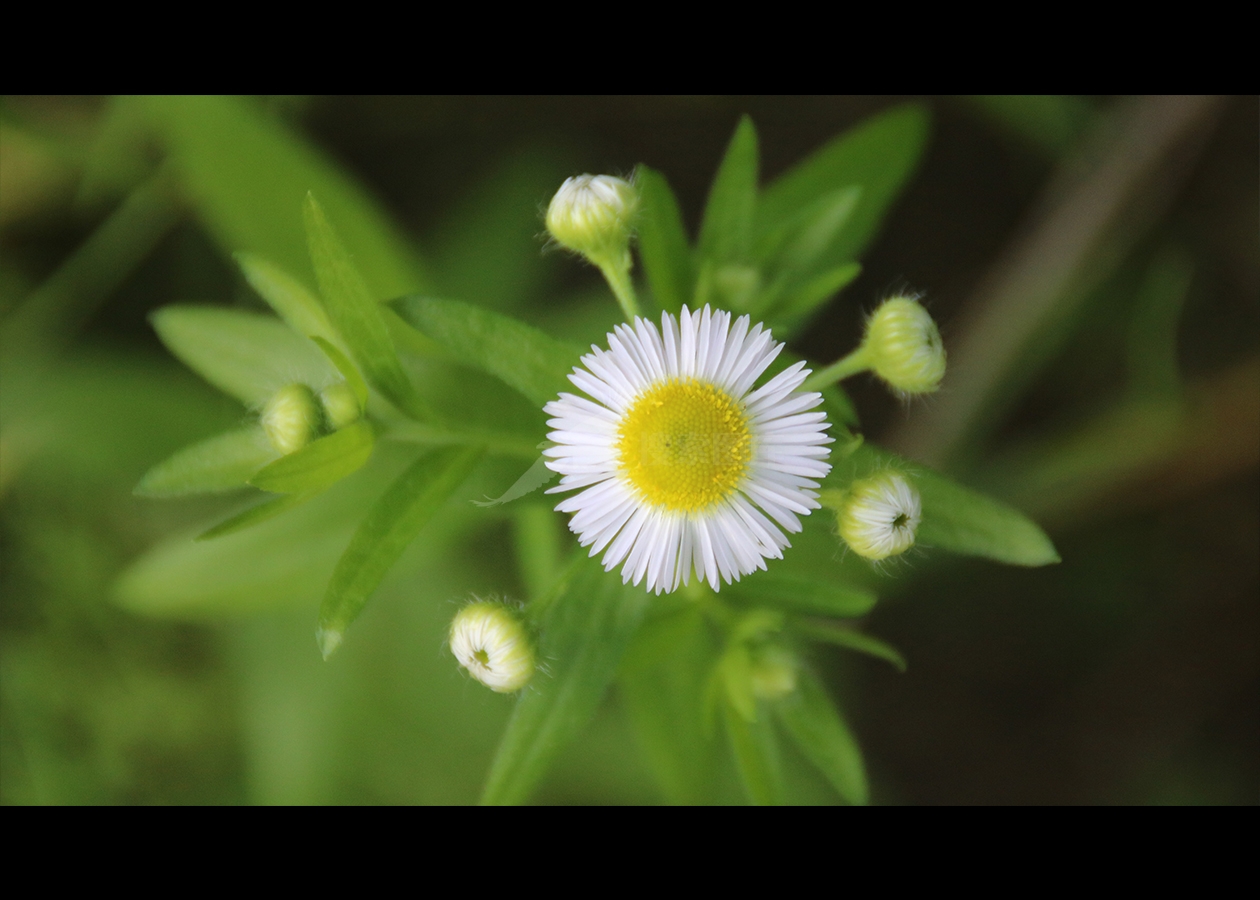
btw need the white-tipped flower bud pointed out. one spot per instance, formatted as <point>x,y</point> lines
<point>341,406</point>
<point>291,418</point>
<point>880,515</point>
<point>593,215</point>
<point>491,642</point>
<point>904,348</point>
<point>773,672</point>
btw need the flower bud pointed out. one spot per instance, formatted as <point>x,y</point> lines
<point>341,406</point>
<point>291,418</point>
<point>773,672</point>
<point>880,515</point>
<point>904,348</point>
<point>491,642</point>
<point>592,215</point>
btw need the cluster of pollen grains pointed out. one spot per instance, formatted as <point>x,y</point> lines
<point>684,445</point>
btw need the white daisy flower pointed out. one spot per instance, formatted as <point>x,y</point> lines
<point>880,516</point>
<point>682,464</point>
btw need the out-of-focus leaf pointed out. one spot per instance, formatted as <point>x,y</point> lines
<point>536,540</point>
<point>798,304</point>
<point>878,156</point>
<point>824,598</point>
<point>242,354</point>
<point>535,477</point>
<point>663,242</point>
<point>522,357</point>
<point>822,735</point>
<point>221,463</point>
<point>348,370</point>
<point>286,295</point>
<point>799,243</point>
<point>1049,122</point>
<point>663,679</point>
<point>585,630</point>
<point>272,564</point>
<point>320,464</point>
<point>247,176</point>
<point>961,520</point>
<point>846,637</point>
<point>486,250</point>
<point>356,314</point>
<point>255,515</point>
<point>392,523</point>
<point>726,233</point>
<point>756,751</point>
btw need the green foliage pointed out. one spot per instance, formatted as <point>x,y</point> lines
<point>822,735</point>
<point>246,355</point>
<point>663,242</point>
<point>392,523</point>
<point>522,357</point>
<point>222,463</point>
<point>320,464</point>
<point>586,625</point>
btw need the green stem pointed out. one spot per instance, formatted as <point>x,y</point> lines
<point>850,365</point>
<point>618,278</point>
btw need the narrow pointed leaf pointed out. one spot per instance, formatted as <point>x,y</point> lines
<point>255,515</point>
<point>286,295</point>
<point>800,303</point>
<point>355,313</point>
<point>964,521</point>
<point>663,243</point>
<point>755,748</point>
<point>825,598</point>
<point>348,370</point>
<point>822,735</point>
<point>224,462</point>
<point>246,175</point>
<point>392,523</point>
<point>535,477</point>
<point>726,233</point>
<point>843,636</point>
<point>242,354</point>
<point>879,156</point>
<point>320,464</point>
<point>519,355</point>
<point>585,630</point>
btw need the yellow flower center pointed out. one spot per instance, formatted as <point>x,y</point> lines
<point>684,444</point>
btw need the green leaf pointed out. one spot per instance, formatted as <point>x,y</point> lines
<point>799,243</point>
<point>663,242</point>
<point>255,515</point>
<point>221,463</point>
<point>843,636</point>
<point>796,305</point>
<point>585,630</point>
<point>286,295</point>
<point>824,598</point>
<point>392,523</point>
<point>878,156</point>
<point>823,737</point>
<point>247,175</point>
<point>520,356</point>
<point>320,464</point>
<point>356,314</point>
<point>726,233</point>
<point>964,521</point>
<point>664,679</point>
<point>245,355</point>
<point>348,370</point>
<point>756,751</point>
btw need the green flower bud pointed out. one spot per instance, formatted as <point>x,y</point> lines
<point>773,672</point>
<point>291,418</point>
<point>593,215</point>
<point>903,347</point>
<point>341,406</point>
<point>491,642</point>
<point>880,515</point>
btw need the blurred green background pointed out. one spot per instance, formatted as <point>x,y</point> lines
<point>1094,265</point>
